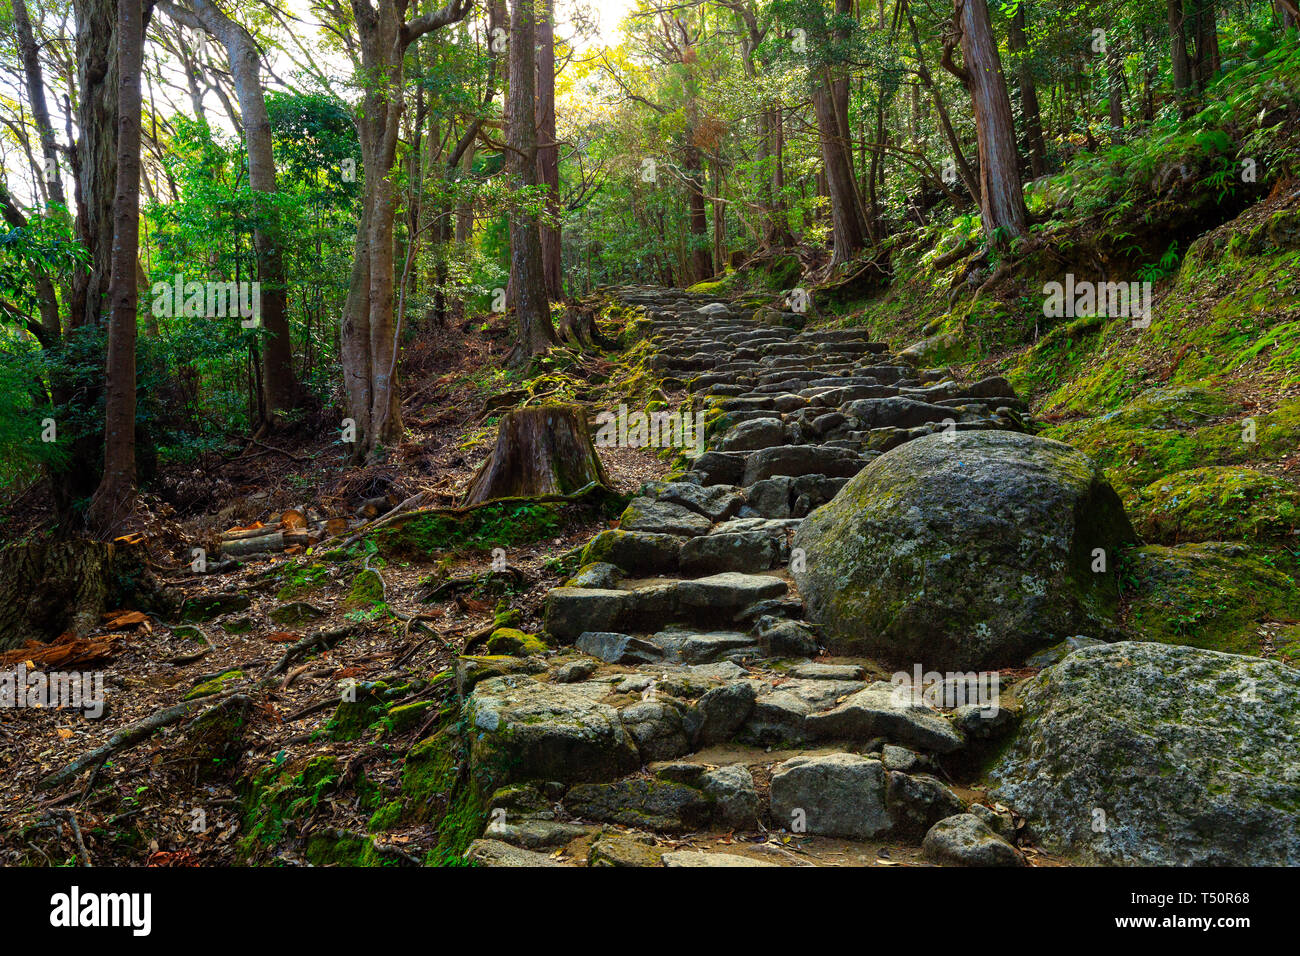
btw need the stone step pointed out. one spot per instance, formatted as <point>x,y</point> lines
<point>646,606</point>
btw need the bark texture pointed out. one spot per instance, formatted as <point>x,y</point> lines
<point>48,588</point>
<point>536,334</point>
<point>543,450</point>
<point>113,499</point>
<point>1002,201</point>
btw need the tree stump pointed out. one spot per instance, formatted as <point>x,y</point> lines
<point>543,450</point>
<point>48,588</point>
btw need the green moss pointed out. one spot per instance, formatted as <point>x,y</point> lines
<point>1218,503</point>
<point>509,640</point>
<point>342,848</point>
<point>304,581</point>
<point>1148,439</point>
<point>439,792</point>
<point>1209,595</point>
<point>352,717</point>
<point>214,685</point>
<point>403,717</point>
<point>493,526</point>
<point>386,817</point>
<point>367,589</point>
<point>278,794</point>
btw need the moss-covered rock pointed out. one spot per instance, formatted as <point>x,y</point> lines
<point>526,730</point>
<point>964,553</point>
<point>367,589</point>
<point>1209,595</point>
<point>1139,753</point>
<point>514,642</point>
<point>1219,503</point>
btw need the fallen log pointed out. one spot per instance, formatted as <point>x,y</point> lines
<point>274,541</point>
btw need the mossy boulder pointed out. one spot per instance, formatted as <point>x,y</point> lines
<point>964,551</point>
<point>1218,503</point>
<point>514,642</point>
<point>1212,595</point>
<point>1139,753</point>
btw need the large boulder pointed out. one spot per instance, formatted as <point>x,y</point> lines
<point>1157,754</point>
<point>964,550</point>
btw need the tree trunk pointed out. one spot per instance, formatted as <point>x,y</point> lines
<point>701,261</point>
<point>548,152</point>
<point>1207,42</point>
<point>964,170</point>
<point>40,109</point>
<point>1002,200</point>
<point>77,391</point>
<point>48,588</point>
<point>1115,87</point>
<point>543,450</point>
<point>280,388</point>
<point>370,347</point>
<point>532,308</point>
<point>848,232</point>
<point>849,229</point>
<point>1288,16</point>
<point>1018,43</point>
<point>1182,68</point>
<point>115,496</point>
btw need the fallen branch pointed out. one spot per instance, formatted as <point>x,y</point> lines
<point>122,738</point>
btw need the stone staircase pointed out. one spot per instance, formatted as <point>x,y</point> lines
<point>685,705</point>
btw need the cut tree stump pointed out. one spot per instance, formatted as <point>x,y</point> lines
<point>49,588</point>
<point>543,450</point>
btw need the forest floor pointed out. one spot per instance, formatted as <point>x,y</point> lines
<point>140,807</point>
